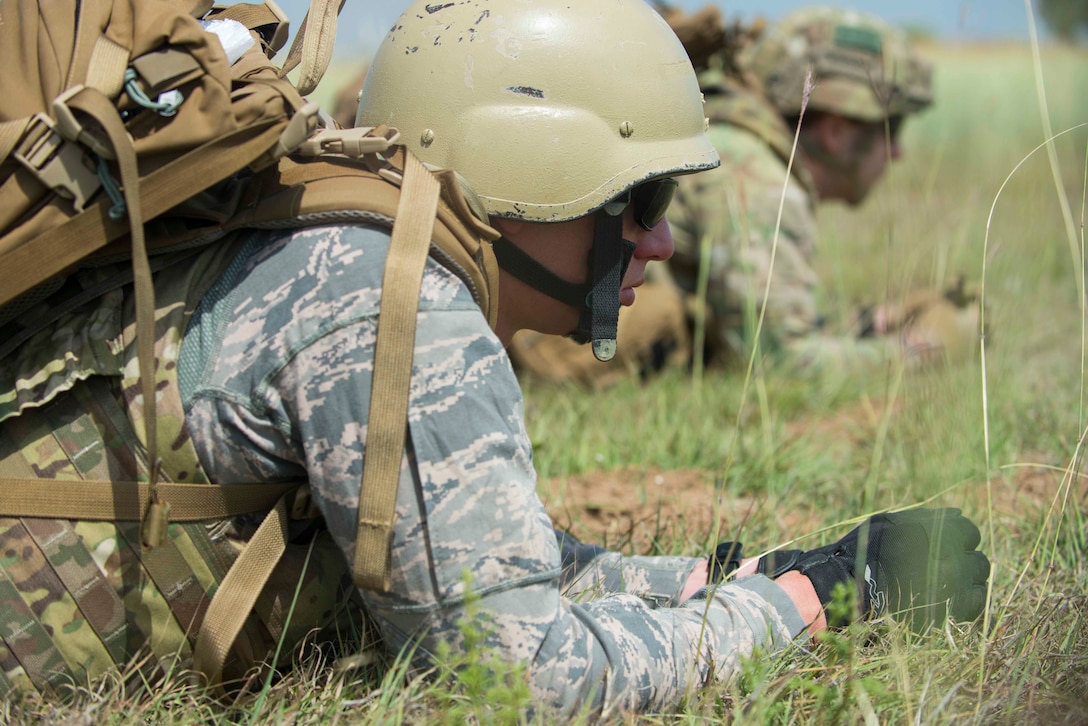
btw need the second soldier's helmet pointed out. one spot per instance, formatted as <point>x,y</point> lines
<point>550,110</point>
<point>862,67</point>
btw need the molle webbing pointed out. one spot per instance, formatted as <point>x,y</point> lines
<point>92,603</point>
<point>136,596</point>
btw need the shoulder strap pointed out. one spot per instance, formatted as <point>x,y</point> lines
<point>312,46</point>
<point>394,351</point>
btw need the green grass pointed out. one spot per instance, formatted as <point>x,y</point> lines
<point>974,437</point>
<point>1003,442</point>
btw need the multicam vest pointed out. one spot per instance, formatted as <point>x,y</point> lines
<point>83,596</point>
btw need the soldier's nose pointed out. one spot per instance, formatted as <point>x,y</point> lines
<point>656,244</point>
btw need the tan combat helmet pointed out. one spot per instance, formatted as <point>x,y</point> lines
<point>550,110</point>
<point>863,68</point>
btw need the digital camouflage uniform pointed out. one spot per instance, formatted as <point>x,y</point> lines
<point>275,374</point>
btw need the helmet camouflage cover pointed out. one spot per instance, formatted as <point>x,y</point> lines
<point>549,109</point>
<point>862,67</point>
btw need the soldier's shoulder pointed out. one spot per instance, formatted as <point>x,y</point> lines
<point>747,160</point>
<point>736,144</point>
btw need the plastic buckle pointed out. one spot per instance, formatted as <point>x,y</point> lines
<point>58,162</point>
<point>283,27</point>
<point>153,527</point>
<point>70,128</point>
<point>299,128</point>
<point>353,143</point>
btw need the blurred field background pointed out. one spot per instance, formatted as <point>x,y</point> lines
<point>781,457</point>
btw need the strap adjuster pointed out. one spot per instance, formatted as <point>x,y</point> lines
<point>58,163</point>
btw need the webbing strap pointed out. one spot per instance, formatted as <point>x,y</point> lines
<point>609,259</point>
<point>313,44</point>
<point>106,71</point>
<point>126,501</point>
<point>102,110</point>
<point>10,133</point>
<point>21,188</point>
<point>237,594</point>
<point>521,265</point>
<point>389,389</point>
<point>96,598</point>
<point>33,647</point>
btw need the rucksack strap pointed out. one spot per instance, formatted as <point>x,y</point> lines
<point>238,593</point>
<point>313,44</point>
<point>389,390</point>
<point>121,501</point>
<point>100,108</point>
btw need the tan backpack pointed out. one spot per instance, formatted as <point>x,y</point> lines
<point>139,130</point>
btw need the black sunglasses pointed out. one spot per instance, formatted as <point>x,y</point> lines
<point>895,123</point>
<point>650,199</point>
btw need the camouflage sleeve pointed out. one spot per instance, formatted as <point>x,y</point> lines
<point>824,352</point>
<point>590,571</point>
<point>284,388</point>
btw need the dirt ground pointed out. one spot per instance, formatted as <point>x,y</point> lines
<point>647,512</point>
<point>642,512</point>
<point>628,510</point>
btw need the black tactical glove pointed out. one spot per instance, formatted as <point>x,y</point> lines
<point>919,563</point>
<point>724,561</point>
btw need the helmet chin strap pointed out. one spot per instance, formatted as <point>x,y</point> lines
<point>608,261</point>
<point>598,299</point>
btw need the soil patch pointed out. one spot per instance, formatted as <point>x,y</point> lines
<point>656,512</point>
<point>668,512</point>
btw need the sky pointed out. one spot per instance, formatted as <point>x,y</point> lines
<point>363,23</point>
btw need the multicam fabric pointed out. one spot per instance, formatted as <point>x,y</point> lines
<point>862,67</point>
<point>80,598</point>
<point>726,218</point>
<point>276,375</point>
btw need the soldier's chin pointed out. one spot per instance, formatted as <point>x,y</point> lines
<point>627,296</point>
